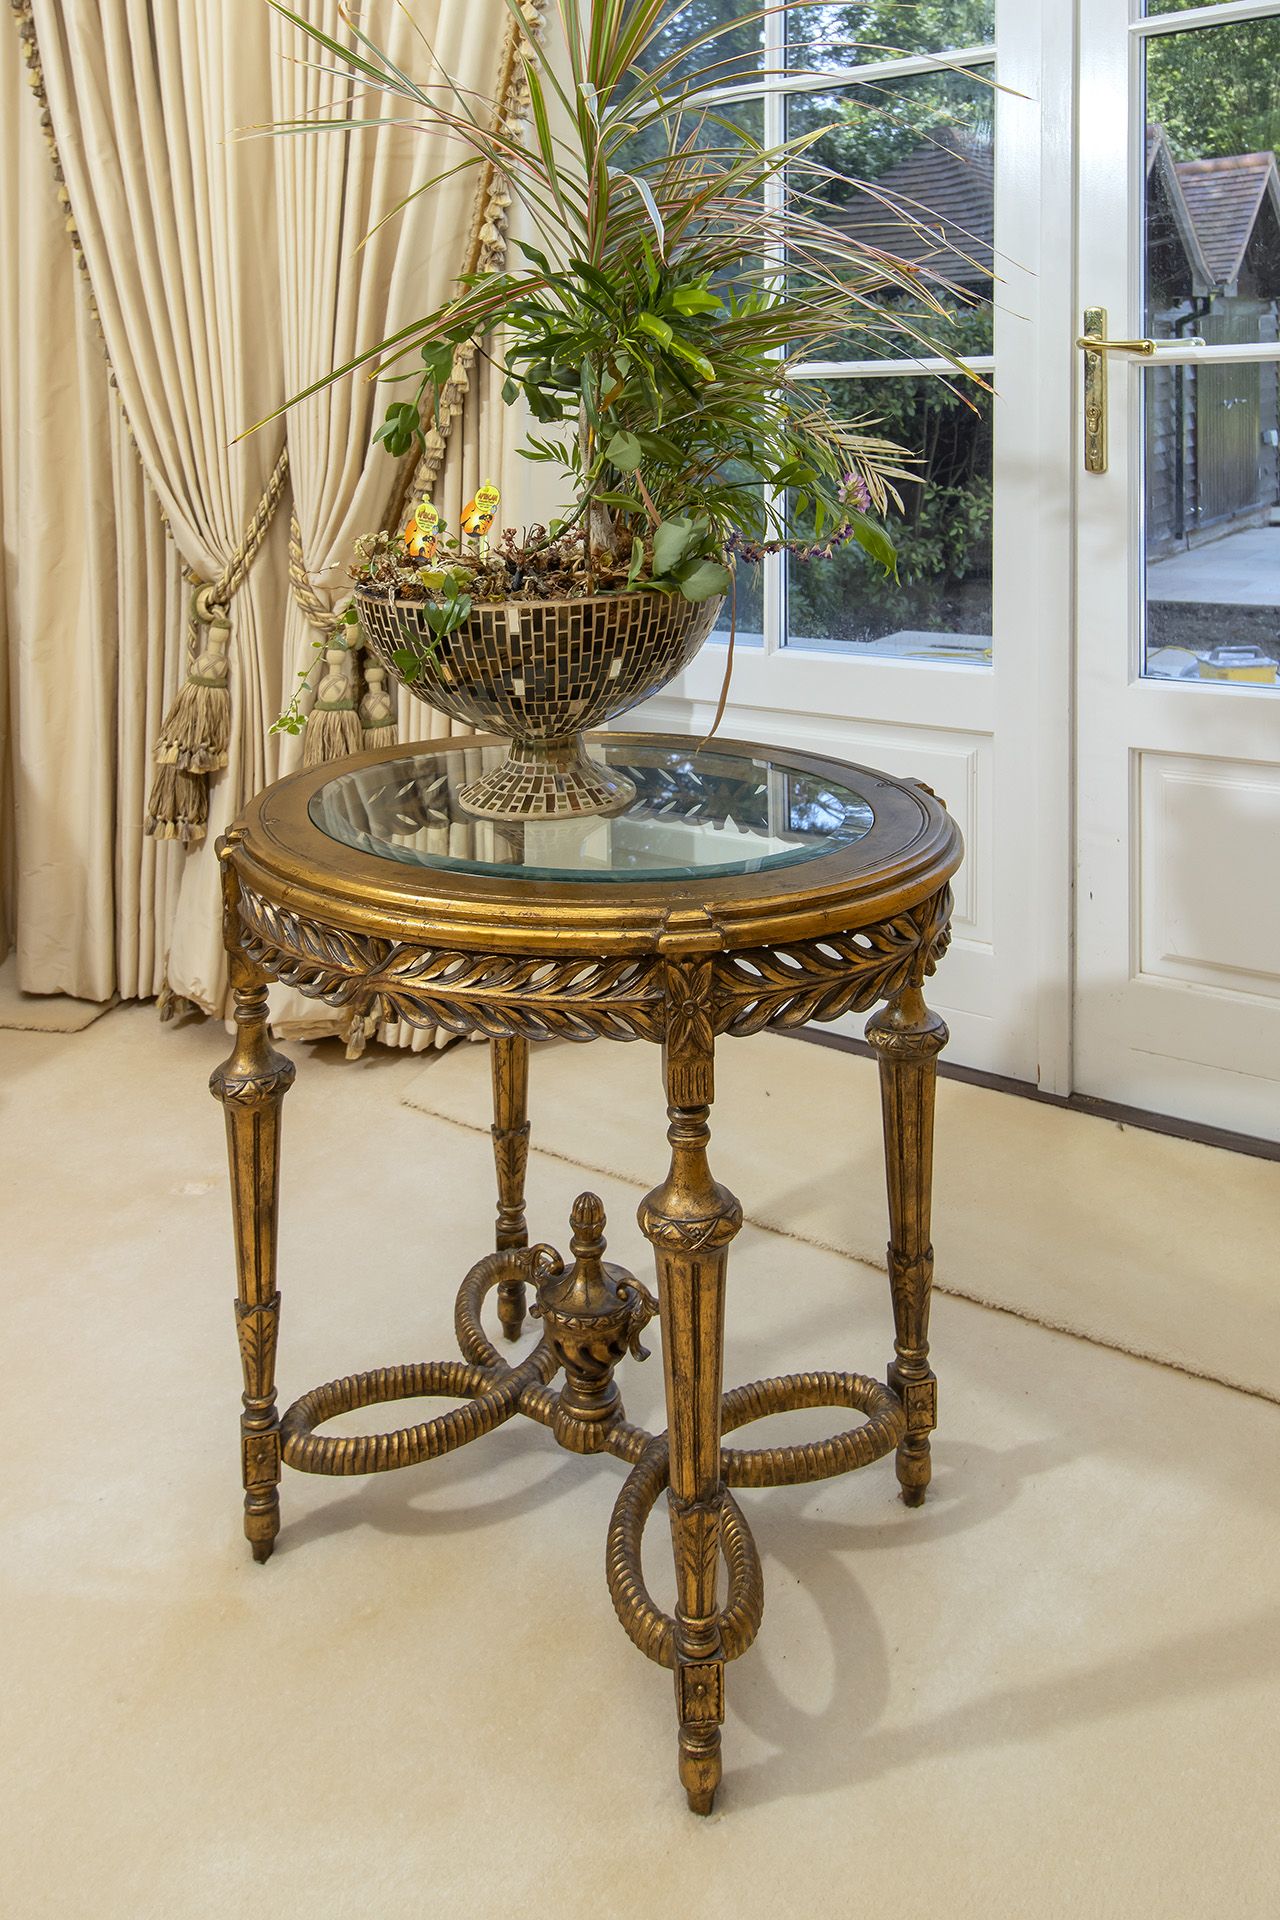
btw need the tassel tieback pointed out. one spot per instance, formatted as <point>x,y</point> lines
<point>179,806</point>
<point>197,729</point>
<point>196,733</point>
<point>377,709</point>
<point>334,727</point>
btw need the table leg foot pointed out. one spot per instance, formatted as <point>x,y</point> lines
<point>700,1768</point>
<point>918,1393</point>
<point>914,1474</point>
<point>699,1699</point>
<point>511,1309</point>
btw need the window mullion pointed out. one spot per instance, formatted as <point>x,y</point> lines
<point>870,72</point>
<point>1223,13</point>
<point>891,369</point>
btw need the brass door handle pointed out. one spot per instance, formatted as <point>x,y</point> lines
<point>1096,346</point>
<point>1095,343</point>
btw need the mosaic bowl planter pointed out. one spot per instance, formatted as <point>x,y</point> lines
<point>541,672</point>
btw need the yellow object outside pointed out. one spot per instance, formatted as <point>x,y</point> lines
<point>1256,673</point>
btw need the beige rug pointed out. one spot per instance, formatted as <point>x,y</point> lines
<point>1157,1246</point>
<point>44,1012</point>
<point>1051,1694</point>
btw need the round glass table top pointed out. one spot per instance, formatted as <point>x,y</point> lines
<point>694,815</point>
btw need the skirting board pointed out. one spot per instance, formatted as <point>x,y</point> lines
<point>1161,1247</point>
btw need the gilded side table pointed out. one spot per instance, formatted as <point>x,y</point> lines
<point>740,889</point>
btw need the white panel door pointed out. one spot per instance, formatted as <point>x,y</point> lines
<point>959,676</point>
<point>1178,708</point>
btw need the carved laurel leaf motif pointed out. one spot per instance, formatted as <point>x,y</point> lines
<point>326,963</point>
<point>257,1327</point>
<point>578,997</point>
<point>787,986</point>
<point>585,997</point>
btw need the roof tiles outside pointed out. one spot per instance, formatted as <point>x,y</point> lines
<point>940,213</point>
<point>1224,197</point>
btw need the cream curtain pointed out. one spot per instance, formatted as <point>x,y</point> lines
<point>89,594</point>
<point>177,223</point>
<point>226,274</point>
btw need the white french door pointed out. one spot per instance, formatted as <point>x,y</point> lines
<point>1177,1000</point>
<point>1089,675</point>
<point>962,677</point>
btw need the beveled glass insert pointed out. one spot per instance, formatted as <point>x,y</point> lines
<point>694,815</point>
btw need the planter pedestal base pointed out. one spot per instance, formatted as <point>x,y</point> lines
<point>546,780</point>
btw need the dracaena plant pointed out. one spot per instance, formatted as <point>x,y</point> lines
<point>677,272</point>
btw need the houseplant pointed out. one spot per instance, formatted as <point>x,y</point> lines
<point>678,270</point>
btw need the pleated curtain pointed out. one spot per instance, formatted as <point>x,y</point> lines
<point>177,221</point>
<point>91,611</point>
<point>227,272</point>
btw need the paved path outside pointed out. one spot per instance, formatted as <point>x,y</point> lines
<point>1243,570</point>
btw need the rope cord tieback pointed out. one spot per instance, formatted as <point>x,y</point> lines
<point>487,247</point>
<point>336,723</point>
<point>196,731</point>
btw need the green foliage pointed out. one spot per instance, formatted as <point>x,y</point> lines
<point>1213,89</point>
<point>646,319</point>
<point>942,533</point>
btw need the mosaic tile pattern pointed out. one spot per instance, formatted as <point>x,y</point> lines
<point>541,672</point>
<point>540,781</point>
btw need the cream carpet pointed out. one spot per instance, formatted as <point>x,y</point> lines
<point>1158,1246</point>
<point>1053,1692</point>
<point>44,1012</point>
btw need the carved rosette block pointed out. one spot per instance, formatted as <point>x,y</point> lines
<point>594,1315</point>
<point>908,1038</point>
<point>251,1084</point>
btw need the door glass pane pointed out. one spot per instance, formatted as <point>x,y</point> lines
<point>1212,184</point>
<point>1212,513</point>
<point>939,607</point>
<point>645,151</point>
<point>1212,431</point>
<point>907,166</point>
<point>735,59</point>
<point>828,39</point>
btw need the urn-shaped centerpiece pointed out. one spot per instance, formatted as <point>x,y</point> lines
<point>539,672</point>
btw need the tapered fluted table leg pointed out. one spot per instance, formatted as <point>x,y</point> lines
<point>909,1038</point>
<point>251,1084</point>
<point>690,1221</point>
<point>509,1059</point>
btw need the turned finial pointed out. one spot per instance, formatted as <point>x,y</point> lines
<point>587,1222</point>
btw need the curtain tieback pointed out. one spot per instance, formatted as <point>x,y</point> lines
<point>342,719</point>
<point>196,731</point>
